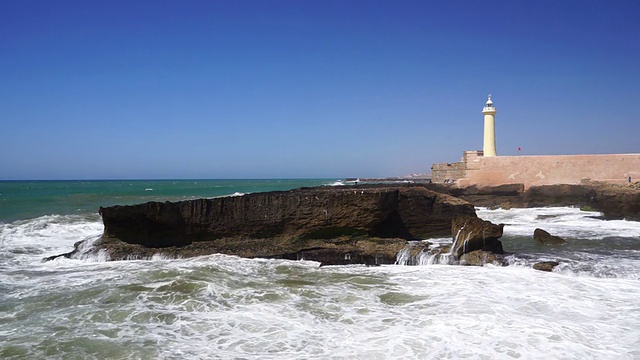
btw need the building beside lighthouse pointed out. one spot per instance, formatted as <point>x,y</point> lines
<point>485,168</point>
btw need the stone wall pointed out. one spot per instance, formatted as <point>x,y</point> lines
<point>451,172</point>
<point>448,172</point>
<point>549,170</point>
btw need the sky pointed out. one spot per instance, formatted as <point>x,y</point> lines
<point>308,89</point>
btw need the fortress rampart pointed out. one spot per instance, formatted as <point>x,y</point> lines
<point>485,168</point>
<point>475,169</point>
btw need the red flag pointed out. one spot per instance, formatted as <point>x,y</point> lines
<point>519,148</point>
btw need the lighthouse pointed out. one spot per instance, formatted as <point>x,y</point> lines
<point>489,147</point>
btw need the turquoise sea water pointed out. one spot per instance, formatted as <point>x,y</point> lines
<point>29,199</point>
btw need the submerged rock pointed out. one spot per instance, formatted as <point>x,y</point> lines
<point>481,258</point>
<point>471,234</point>
<point>546,265</point>
<point>546,238</point>
<point>334,225</point>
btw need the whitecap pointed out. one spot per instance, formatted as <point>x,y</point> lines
<point>228,195</point>
<point>336,183</point>
<point>31,240</point>
<point>561,221</point>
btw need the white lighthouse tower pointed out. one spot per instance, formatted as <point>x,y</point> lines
<point>489,146</point>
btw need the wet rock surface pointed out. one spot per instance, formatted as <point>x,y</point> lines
<point>546,238</point>
<point>472,233</point>
<point>481,258</point>
<point>546,265</point>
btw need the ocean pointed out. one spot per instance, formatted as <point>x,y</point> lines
<point>227,307</point>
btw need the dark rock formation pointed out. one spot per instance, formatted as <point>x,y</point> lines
<point>545,265</point>
<point>471,234</point>
<point>613,201</point>
<point>546,238</point>
<point>334,225</point>
<point>617,202</point>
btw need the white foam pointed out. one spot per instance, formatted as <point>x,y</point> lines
<point>224,306</point>
<point>594,247</point>
<point>33,239</point>
<point>424,256</point>
<point>560,221</point>
<point>229,307</point>
<point>229,195</point>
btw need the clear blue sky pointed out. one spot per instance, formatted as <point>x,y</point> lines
<point>264,89</point>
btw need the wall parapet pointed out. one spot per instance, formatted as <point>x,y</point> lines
<point>552,169</point>
<point>452,172</point>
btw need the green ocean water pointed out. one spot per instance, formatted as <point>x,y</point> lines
<point>30,199</point>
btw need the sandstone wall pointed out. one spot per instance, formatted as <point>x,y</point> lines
<point>451,172</point>
<point>550,170</point>
<point>447,172</point>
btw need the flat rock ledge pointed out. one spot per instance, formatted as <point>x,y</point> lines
<point>332,225</point>
<point>613,201</point>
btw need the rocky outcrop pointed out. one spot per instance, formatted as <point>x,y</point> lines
<point>334,225</point>
<point>471,234</point>
<point>546,238</point>
<point>613,201</point>
<point>617,201</point>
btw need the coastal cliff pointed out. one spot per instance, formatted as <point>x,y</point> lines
<point>366,224</point>
<point>334,225</point>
